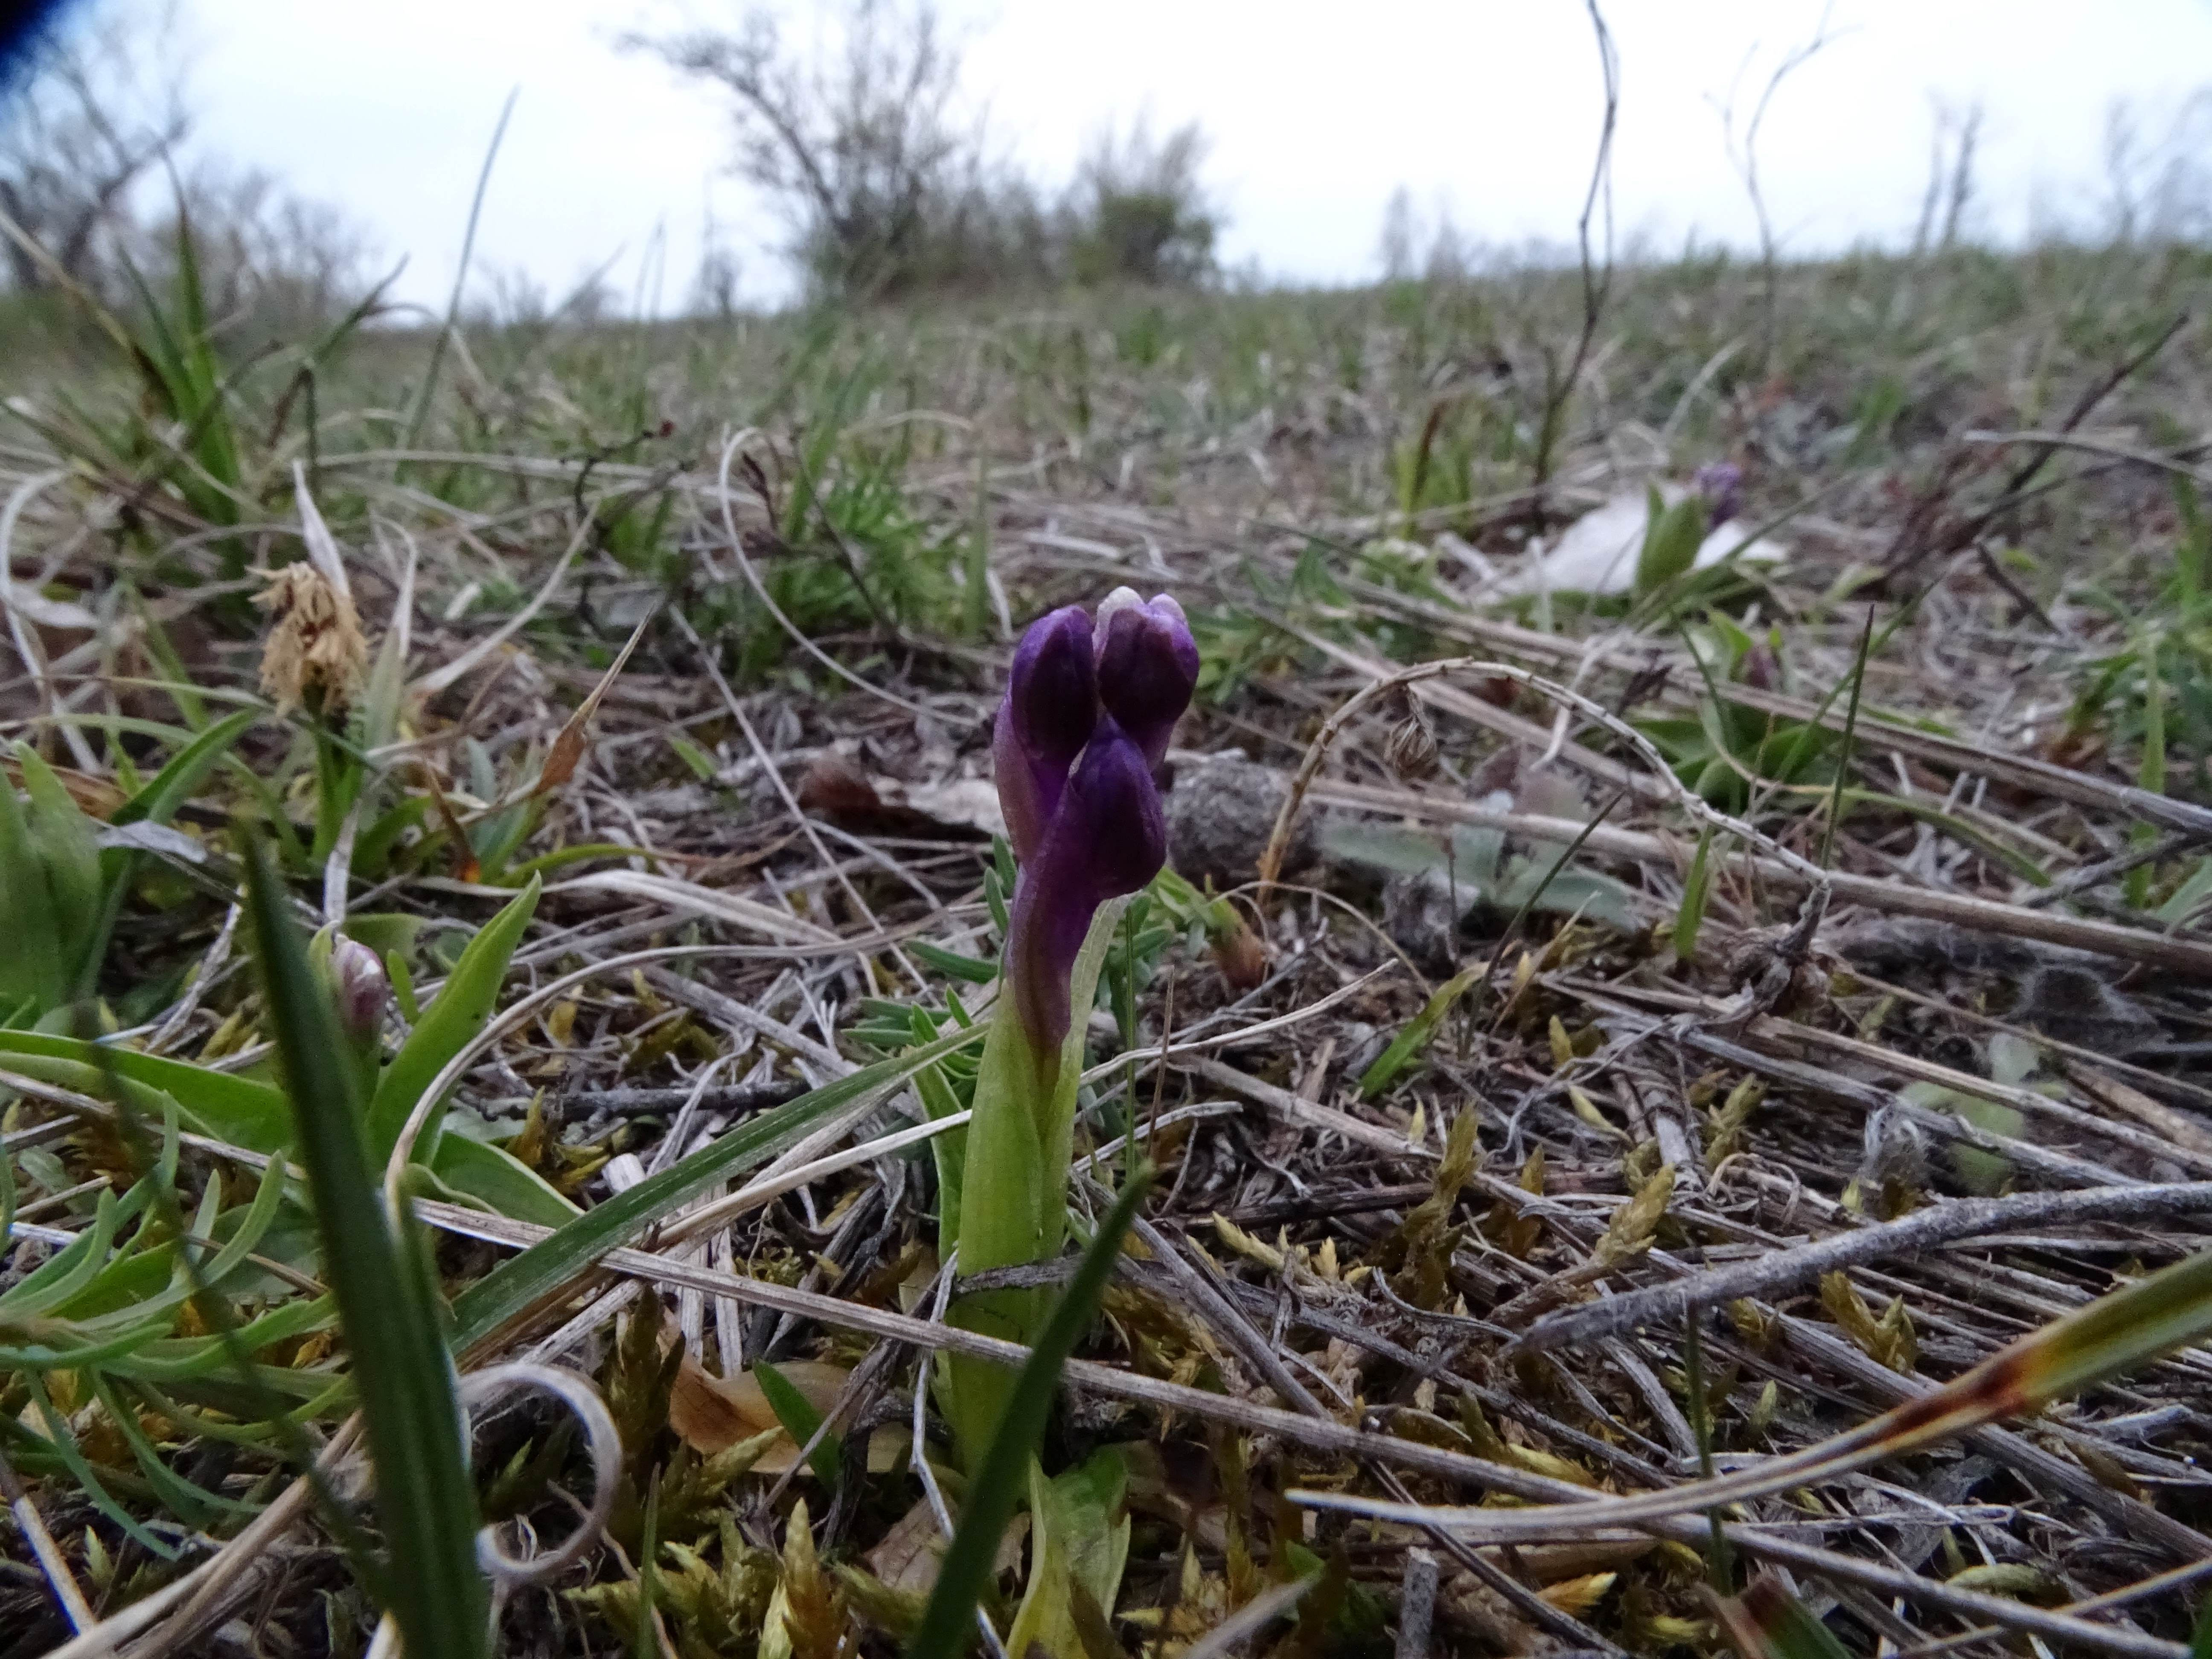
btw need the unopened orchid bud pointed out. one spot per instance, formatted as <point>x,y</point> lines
<point>1088,712</point>
<point>1050,709</point>
<point>1761,668</point>
<point>1720,483</point>
<point>1109,838</point>
<point>1147,666</point>
<point>362,989</point>
<point>1091,829</point>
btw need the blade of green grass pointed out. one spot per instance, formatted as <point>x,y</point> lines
<point>471,994</point>
<point>976,597</point>
<point>1767,1622</point>
<point>802,1423</point>
<point>644,1642</point>
<point>460,280</point>
<point>552,1263</point>
<point>1851,730</point>
<point>949,1620</point>
<point>1412,1042</point>
<point>1690,919</point>
<point>173,786</point>
<point>32,968</point>
<point>386,1296</point>
<point>1718,1565</point>
<point>2151,775</point>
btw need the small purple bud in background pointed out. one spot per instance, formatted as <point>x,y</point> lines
<point>1147,667</point>
<point>1051,706</point>
<point>1761,668</point>
<point>358,978</point>
<point>1720,483</point>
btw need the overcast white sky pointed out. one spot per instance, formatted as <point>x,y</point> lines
<point>1318,112</point>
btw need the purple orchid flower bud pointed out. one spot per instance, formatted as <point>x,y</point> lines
<point>1147,667</point>
<point>1091,829</point>
<point>1087,718</point>
<point>1050,709</point>
<point>362,988</point>
<point>1720,483</point>
<point>1107,839</point>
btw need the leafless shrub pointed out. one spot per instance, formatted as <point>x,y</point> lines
<point>1742,143</point>
<point>1452,256</point>
<point>91,123</point>
<point>864,146</point>
<point>1950,192</point>
<point>1401,235</point>
<point>714,284</point>
<point>887,182</point>
<point>2158,185</point>
<point>271,264</point>
<point>512,298</point>
<point>1595,260</point>
<point>1412,247</point>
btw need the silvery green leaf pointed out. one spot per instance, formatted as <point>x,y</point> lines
<point>1571,892</point>
<point>1472,862</point>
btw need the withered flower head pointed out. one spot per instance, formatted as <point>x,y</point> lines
<point>1411,748</point>
<point>315,654</point>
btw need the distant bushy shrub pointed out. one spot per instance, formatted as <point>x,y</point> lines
<point>888,187</point>
<point>1138,212</point>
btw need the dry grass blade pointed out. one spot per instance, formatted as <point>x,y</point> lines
<point>2111,1336</point>
<point>1765,1275</point>
<point>1249,1621</point>
<point>567,750</point>
<point>1767,1622</point>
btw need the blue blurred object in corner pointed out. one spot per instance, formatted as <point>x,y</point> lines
<point>20,20</point>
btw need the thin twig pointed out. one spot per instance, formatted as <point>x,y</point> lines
<point>77,1610</point>
<point>1780,1270</point>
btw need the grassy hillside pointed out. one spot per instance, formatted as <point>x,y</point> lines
<point>1821,941</point>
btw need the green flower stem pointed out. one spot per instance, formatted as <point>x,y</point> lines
<point>1013,1200</point>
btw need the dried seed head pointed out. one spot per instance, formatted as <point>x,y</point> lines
<point>1893,1151</point>
<point>1411,749</point>
<point>1242,959</point>
<point>315,654</point>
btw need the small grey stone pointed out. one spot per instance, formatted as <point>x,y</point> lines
<point>675,800</point>
<point>1219,815</point>
<point>1361,1046</point>
<point>1423,921</point>
<point>2074,1005</point>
